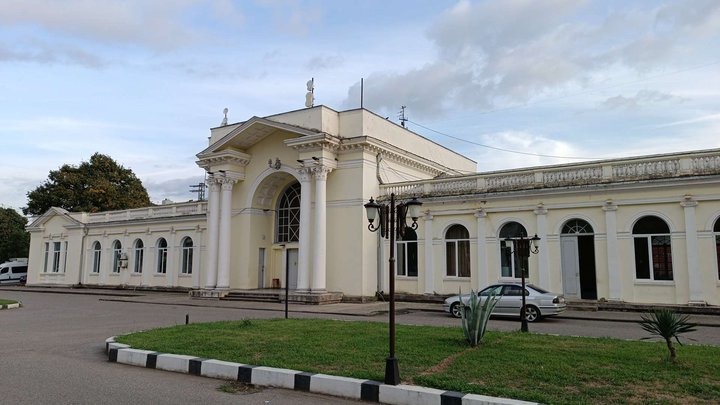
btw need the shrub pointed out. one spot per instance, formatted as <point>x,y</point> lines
<point>667,324</point>
<point>475,315</point>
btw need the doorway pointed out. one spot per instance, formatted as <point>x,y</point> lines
<point>292,268</point>
<point>577,248</point>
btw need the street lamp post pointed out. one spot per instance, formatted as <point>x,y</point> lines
<point>392,223</point>
<point>522,248</point>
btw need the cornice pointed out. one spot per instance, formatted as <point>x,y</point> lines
<point>227,156</point>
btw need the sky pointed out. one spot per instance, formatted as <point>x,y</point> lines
<point>558,81</point>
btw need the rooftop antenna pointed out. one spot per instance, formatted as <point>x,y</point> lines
<point>362,92</point>
<point>199,189</point>
<point>401,116</point>
<point>310,95</point>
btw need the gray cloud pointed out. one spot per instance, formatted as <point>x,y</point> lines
<point>492,54</point>
<point>324,62</point>
<point>50,54</point>
<point>642,98</point>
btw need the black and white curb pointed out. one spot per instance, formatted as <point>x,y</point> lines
<point>10,306</point>
<point>345,387</point>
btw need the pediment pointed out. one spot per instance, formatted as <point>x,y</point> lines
<point>252,132</point>
<point>51,213</point>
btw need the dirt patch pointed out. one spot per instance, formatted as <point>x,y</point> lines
<point>237,387</point>
<point>445,363</point>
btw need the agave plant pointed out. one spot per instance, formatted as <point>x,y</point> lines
<point>668,325</point>
<point>475,315</point>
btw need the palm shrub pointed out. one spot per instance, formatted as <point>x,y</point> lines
<point>475,315</point>
<point>667,324</point>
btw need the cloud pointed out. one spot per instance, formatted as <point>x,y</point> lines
<point>293,17</point>
<point>50,54</point>
<point>642,98</point>
<point>324,62</point>
<point>177,190</point>
<point>493,54</point>
<point>159,25</point>
<point>704,118</point>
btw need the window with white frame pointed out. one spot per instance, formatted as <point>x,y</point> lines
<point>117,251</point>
<point>510,263</point>
<point>187,255</point>
<point>716,230</point>
<point>54,257</point>
<point>288,215</point>
<point>457,251</point>
<point>162,254</point>
<point>97,250</point>
<point>406,263</point>
<point>138,254</point>
<point>653,249</point>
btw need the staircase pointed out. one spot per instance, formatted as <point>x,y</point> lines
<point>260,295</point>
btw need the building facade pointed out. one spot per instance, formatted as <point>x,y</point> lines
<point>286,195</point>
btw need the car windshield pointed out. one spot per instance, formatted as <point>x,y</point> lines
<point>538,289</point>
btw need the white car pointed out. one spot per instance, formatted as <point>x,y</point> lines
<point>13,271</point>
<point>538,302</point>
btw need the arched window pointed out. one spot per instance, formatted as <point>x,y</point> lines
<point>162,252</point>
<point>97,250</point>
<point>139,253</point>
<point>577,226</point>
<point>117,251</point>
<point>288,215</point>
<point>510,264</point>
<point>187,255</point>
<point>457,251</point>
<point>716,229</point>
<point>653,250</point>
<point>407,254</point>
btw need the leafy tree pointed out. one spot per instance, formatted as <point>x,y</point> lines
<point>668,325</point>
<point>98,185</point>
<point>14,240</point>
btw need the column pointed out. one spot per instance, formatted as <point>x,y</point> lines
<point>482,267</point>
<point>429,261</point>
<point>223,274</point>
<point>303,278</point>
<point>612,251</point>
<point>213,220</point>
<point>543,255</point>
<point>691,241</point>
<point>319,259</point>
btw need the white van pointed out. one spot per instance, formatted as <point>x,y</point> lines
<point>14,271</point>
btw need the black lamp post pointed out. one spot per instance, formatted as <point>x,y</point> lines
<point>522,248</point>
<point>391,224</point>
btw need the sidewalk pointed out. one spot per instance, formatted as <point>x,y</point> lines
<point>350,309</point>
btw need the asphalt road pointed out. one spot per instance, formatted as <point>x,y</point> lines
<point>52,348</point>
<point>52,352</point>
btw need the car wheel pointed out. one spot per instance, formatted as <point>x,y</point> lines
<point>455,310</point>
<point>532,313</point>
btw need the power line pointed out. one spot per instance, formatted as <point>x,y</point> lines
<point>502,149</point>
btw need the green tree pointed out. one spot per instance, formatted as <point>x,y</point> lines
<point>14,240</point>
<point>98,185</point>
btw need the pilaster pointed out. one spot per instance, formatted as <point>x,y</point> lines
<point>543,255</point>
<point>482,267</point>
<point>691,241</point>
<point>429,260</point>
<point>614,282</point>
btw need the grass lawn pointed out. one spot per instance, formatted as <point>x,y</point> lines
<point>533,367</point>
<point>6,302</point>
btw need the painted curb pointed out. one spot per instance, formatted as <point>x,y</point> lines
<point>353,388</point>
<point>10,306</point>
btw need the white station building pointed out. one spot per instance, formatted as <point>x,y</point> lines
<point>286,195</point>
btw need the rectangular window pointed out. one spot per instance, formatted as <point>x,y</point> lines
<point>400,260</point>
<point>187,258</point>
<point>451,258</point>
<point>717,253</point>
<point>139,252</point>
<point>642,256</point>
<point>96,261</point>
<point>65,250</point>
<point>505,259</point>
<point>162,260</point>
<point>662,258</point>
<point>464,258</point>
<point>56,257</point>
<point>47,256</point>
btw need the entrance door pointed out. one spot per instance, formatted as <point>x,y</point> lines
<point>292,267</point>
<point>570,266</point>
<point>261,268</point>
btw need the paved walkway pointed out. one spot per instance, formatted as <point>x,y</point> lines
<point>349,309</point>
